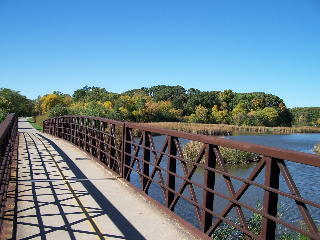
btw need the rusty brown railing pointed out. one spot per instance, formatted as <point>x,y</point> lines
<point>8,143</point>
<point>158,167</point>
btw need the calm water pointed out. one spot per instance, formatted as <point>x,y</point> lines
<point>307,179</point>
<point>297,142</point>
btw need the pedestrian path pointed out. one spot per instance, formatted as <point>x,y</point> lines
<point>59,192</point>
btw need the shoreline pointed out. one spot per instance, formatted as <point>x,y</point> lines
<point>230,130</point>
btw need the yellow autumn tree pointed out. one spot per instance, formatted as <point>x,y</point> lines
<point>49,101</point>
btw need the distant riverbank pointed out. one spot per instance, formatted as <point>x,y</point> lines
<point>225,130</point>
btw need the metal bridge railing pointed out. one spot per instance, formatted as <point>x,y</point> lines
<point>153,160</point>
<point>8,144</point>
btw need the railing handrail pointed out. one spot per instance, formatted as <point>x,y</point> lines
<point>274,152</point>
<point>8,144</point>
<point>5,125</point>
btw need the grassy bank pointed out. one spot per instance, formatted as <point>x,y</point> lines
<point>36,122</point>
<point>231,156</point>
<point>223,129</point>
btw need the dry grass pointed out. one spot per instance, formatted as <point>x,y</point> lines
<point>317,148</point>
<point>223,129</point>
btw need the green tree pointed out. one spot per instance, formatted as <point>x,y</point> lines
<point>226,99</point>
<point>221,116</point>
<point>13,102</point>
<point>305,116</point>
<point>201,115</point>
<point>267,117</point>
<point>196,98</point>
<point>176,94</point>
<point>239,113</point>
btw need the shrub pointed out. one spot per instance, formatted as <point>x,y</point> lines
<point>191,150</point>
<point>58,110</point>
<point>40,118</point>
<point>231,156</point>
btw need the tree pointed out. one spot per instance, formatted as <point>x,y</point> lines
<point>55,100</point>
<point>226,99</point>
<point>13,102</point>
<point>239,113</point>
<point>305,116</point>
<point>201,115</point>
<point>80,94</point>
<point>159,111</point>
<point>175,94</point>
<point>196,98</point>
<point>221,116</point>
<point>267,117</point>
<point>49,101</point>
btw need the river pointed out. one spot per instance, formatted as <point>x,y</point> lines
<point>307,179</point>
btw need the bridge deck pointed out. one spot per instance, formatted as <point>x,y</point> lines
<point>59,192</point>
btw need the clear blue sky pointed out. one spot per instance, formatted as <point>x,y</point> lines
<point>271,46</point>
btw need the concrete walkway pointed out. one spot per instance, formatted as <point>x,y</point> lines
<point>61,193</point>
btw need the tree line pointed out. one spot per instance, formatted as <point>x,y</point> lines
<point>162,103</point>
<point>13,102</point>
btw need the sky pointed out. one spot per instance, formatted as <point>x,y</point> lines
<point>267,46</point>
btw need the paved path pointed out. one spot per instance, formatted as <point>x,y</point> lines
<point>63,194</point>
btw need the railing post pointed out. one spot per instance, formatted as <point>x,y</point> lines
<point>54,121</point>
<point>146,159</point>
<point>60,129</point>
<point>77,135</point>
<point>270,199</point>
<point>73,134</point>
<point>209,181</point>
<point>101,146</point>
<point>126,151</point>
<point>70,132</point>
<point>81,132</point>
<point>172,167</point>
<point>112,147</point>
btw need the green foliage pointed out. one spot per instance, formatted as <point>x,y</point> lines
<point>170,103</point>
<point>228,232</point>
<point>226,99</point>
<point>191,151</point>
<point>58,110</point>
<point>196,98</point>
<point>40,118</point>
<point>89,94</point>
<point>201,115</point>
<point>13,102</point>
<point>3,115</point>
<point>231,156</point>
<point>267,116</point>
<point>225,232</point>
<point>306,116</point>
<point>221,115</point>
<point>236,157</point>
<point>37,126</point>
<point>175,94</point>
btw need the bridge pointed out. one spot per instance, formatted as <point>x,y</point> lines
<point>94,178</point>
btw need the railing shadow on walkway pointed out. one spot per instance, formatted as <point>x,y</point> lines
<point>30,196</point>
<point>127,229</point>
